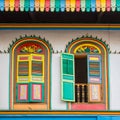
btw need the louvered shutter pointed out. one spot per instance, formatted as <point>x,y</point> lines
<point>94,78</point>
<point>37,78</point>
<point>67,77</point>
<point>30,78</point>
<point>23,68</point>
<point>37,68</point>
<point>22,85</point>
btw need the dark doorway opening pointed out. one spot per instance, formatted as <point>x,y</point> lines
<point>81,88</point>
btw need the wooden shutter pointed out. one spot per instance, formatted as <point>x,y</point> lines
<point>36,92</point>
<point>30,78</point>
<point>22,92</point>
<point>94,78</point>
<point>37,78</point>
<point>94,69</point>
<point>37,65</point>
<point>67,77</point>
<point>94,92</point>
<point>23,68</point>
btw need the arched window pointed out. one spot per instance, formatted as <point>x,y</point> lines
<point>30,74</point>
<point>85,74</point>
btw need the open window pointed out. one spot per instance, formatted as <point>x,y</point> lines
<point>88,80</point>
<point>83,85</point>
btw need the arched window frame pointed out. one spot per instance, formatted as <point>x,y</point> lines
<point>43,104</point>
<point>70,51</point>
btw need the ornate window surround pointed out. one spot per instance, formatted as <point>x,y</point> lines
<point>12,49</point>
<point>100,47</point>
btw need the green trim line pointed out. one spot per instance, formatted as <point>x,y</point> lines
<point>50,80</point>
<point>9,82</point>
<point>108,82</point>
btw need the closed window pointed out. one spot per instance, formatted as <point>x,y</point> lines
<point>30,78</point>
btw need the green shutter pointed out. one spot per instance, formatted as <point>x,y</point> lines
<point>94,69</point>
<point>68,77</point>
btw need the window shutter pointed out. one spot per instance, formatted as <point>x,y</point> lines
<point>30,78</point>
<point>68,77</point>
<point>37,71</point>
<point>94,69</point>
<point>22,92</point>
<point>94,92</point>
<point>36,92</point>
<point>94,78</point>
<point>37,78</point>
<point>23,68</point>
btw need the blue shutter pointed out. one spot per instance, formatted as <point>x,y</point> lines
<point>94,78</point>
<point>94,69</point>
<point>68,77</point>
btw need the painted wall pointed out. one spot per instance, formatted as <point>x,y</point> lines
<point>59,39</point>
<point>114,81</point>
<point>57,104</point>
<point>4,81</point>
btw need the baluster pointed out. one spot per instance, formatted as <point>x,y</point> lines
<point>78,94</point>
<point>83,94</point>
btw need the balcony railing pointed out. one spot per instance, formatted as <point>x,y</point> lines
<point>81,93</point>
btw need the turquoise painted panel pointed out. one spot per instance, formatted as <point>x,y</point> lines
<point>68,89</point>
<point>66,77</point>
<point>70,64</point>
<point>67,66</point>
<point>67,56</point>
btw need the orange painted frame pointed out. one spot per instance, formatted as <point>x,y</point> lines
<point>24,106</point>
